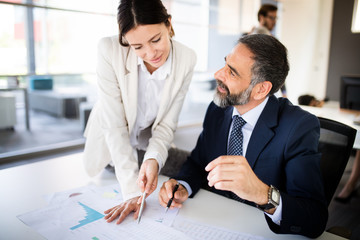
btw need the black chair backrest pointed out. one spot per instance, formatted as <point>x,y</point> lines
<point>335,144</point>
<point>349,92</point>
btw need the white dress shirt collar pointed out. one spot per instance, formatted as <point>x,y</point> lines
<point>160,73</point>
<point>251,117</point>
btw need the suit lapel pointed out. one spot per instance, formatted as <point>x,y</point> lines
<point>224,124</point>
<point>130,95</point>
<point>263,131</point>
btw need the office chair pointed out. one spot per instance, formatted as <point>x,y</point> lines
<point>349,92</point>
<point>335,144</point>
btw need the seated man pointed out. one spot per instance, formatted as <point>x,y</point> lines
<point>256,148</point>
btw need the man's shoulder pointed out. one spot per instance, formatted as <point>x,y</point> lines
<point>261,30</point>
<point>213,109</point>
<point>294,113</point>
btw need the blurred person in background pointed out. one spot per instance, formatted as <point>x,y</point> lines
<point>267,16</point>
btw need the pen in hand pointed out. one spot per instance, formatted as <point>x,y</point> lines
<point>141,207</point>
<point>172,198</point>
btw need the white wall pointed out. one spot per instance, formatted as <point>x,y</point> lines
<point>306,34</point>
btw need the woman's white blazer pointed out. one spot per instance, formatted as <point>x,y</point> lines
<point>113,116</point>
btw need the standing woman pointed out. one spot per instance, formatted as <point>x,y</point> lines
<point>143,77</point>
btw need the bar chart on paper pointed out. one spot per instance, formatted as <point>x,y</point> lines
<point>91,216</point>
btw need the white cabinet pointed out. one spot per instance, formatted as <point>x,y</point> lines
<point>7,110</point>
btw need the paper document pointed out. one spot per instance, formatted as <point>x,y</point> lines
<point>59,197</point>
<point>79,214</point>
<point>199,231</point>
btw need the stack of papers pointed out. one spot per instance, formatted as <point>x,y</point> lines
<point>199,231</point>
<point>79,214</point>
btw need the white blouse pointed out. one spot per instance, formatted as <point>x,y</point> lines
<point>150,89</point>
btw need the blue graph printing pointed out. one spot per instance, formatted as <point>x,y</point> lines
<point>91,216</point>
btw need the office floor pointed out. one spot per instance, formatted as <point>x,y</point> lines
<point>45,130</point>
<point>346,215</point>
<point>55,129</point>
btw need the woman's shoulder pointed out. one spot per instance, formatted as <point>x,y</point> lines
<point>182,51</point>
<point>111,43</point>
<point>110,47</point>
<point>106,41</point>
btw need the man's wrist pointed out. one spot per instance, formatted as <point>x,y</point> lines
<point>273,200</point>
<point>186,186</point>
<point>270,211</point>
<point>264,195</point>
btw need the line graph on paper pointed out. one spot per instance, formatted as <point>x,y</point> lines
<point>73,216</point>
<point>91,216</point>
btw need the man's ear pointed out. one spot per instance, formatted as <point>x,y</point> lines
<point>261,90</point>
<point>261,20</point>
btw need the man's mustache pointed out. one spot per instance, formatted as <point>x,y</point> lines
<point>222,85</point>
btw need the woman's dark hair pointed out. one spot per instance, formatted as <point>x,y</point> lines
<point>132,13</point>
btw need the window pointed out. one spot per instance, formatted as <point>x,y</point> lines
<point>191,28</point>
<point>64,39</point>
<point>65,42</point>
<point>13,49</point>
<point>59,39</point>
<point>355,27</point>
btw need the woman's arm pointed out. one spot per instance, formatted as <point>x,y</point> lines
<point>114,123</point>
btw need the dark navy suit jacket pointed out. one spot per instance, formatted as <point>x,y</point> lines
<point>282,151</point>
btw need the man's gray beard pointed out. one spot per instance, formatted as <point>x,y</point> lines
<point>241,98</point>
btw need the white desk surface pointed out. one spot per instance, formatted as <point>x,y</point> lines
<point>334,112</point>
<point>22,189</point>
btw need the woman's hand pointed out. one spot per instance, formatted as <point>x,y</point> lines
<point>148,177</point>
<point>123,209</point>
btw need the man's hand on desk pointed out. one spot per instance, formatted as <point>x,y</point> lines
<point>166,192</point>
<point>233,173</point>
<point>123,209</point>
